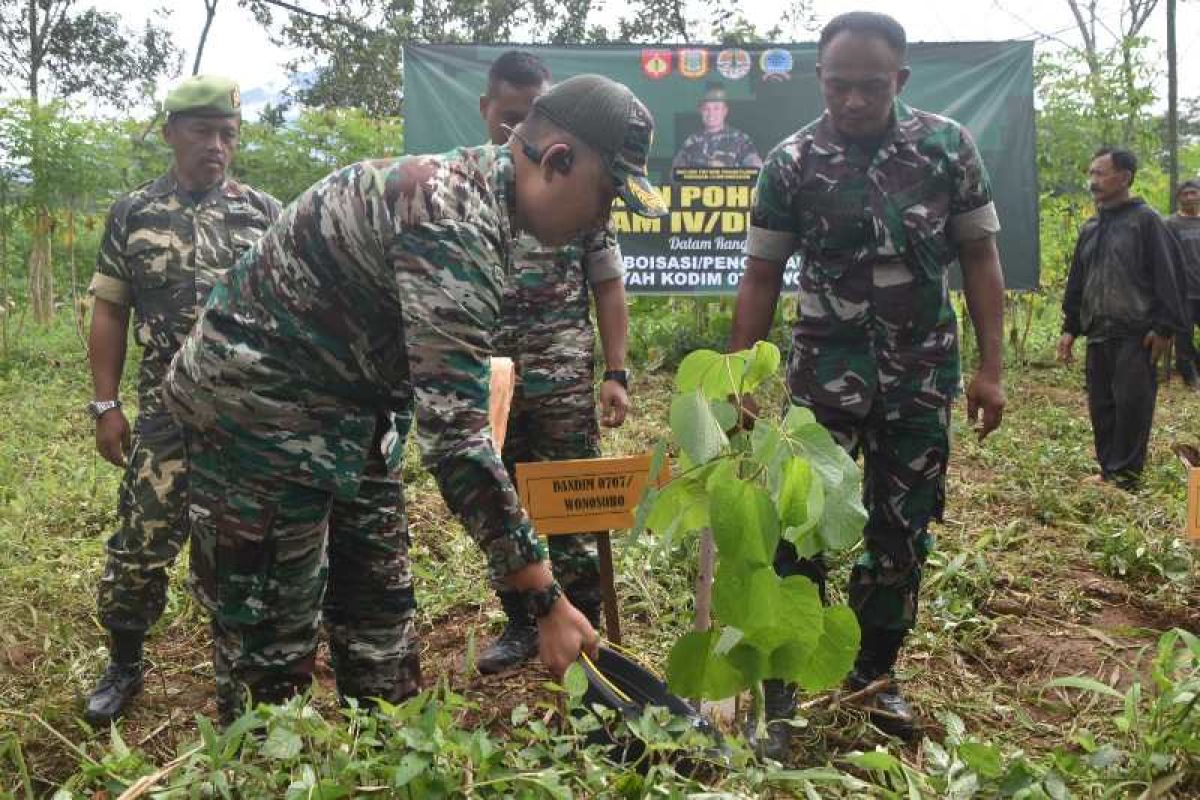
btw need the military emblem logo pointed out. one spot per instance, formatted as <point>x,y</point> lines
<point>733,63</point>
<point>656,63</point>
<point>693,63</point>
<point>776,64</point>
<point>235,98</point>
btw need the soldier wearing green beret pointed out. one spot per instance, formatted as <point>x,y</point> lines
<point>165,245</point>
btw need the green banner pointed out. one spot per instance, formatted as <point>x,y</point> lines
<point>768,94</point>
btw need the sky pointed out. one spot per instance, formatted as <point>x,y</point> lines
<point>238,46</point>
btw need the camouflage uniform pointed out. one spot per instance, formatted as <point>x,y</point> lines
<point>162,252</point>
<point>547,330</point>
<point>875,347</point>
<point>376,293</point>
<point>727,147</point>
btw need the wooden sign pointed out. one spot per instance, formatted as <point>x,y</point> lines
<point>1193,506</point>
<point>586,494</point>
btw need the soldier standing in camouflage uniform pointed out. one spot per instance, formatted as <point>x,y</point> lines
<point>165,245</point>
<point>878,200</point>
<point>547,330</point>
<point>718,145</point>
<point>377,293</point>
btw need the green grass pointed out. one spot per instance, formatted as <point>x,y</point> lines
<point>1037,577</point>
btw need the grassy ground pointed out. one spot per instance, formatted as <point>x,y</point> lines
<point>1038,576</point>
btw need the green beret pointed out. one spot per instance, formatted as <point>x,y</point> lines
<point>714,94</point>
<point>206,96</point>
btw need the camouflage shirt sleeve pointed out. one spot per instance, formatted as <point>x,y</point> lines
<point>972,212</point>
<point>448,281</point>
<point>112,280</point>
<point>773,224</point>
<point>602,255</point>
<point>268,204</point>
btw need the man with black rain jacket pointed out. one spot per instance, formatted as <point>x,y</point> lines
<point>1124,294</point>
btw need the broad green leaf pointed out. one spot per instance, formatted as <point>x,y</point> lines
<point>690,375</point>
<point>807,540</point>
<point>1086,685</point>
<point>282,744</point>
<point>763,363</point>
<point>845,516</point>
<point>877,761</point>
<point>681,505</point>
<point>831,658</point>
<point>694,670</point>
<point>746,598</point>
<point>983,758</point>
<point>744,522</point>
<point>725,414</point>
<point>794,490</point>
<point>696,429</point>
<point>765,441</point>
<point>412,765</point>
<point>802,609</point>
<point>575,681</point>
<point>751,662</point>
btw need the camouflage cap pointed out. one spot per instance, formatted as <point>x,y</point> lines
<point>714,94</point>
<point>205,96</point>
<point>608,117</point>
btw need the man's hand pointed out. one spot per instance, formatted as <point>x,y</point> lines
<point>1065,343</point>
<point>562,634</point>
<point>614,404</point>
<point>112,437</point>
<point>1157,345</point>
<point>986,395</point>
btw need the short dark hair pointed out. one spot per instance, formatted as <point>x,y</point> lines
<point>868,23</point>
<point>1190,184</point>
<point>1121,158</point>
<point>518,68</point>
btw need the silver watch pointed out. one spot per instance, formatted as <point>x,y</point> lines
<point>98,408</point>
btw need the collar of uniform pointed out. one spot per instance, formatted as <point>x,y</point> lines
<point>906,128</point>
<point>168,183</point>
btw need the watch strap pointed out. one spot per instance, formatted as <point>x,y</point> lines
<point>621,376</point>
<point>98,408</point>
<point>541,601</point>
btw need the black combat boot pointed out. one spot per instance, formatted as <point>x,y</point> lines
<point>779,698</point>
<point>122,679</point>
<point>887,710</point>
<point>517,643</point>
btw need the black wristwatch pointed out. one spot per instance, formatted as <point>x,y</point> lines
<point>541,601</point>
<point>621,376</point>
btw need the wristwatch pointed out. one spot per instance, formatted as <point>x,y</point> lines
<point>98,408</point>
<point>541,601</point>
<point>621,376</point>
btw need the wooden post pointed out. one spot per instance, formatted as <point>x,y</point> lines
<point>608,586</point>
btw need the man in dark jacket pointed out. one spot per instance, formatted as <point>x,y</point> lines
<point>1123,294</point>
<point>1185,224</point>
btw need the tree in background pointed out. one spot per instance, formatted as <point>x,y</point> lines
<point>59,51</point>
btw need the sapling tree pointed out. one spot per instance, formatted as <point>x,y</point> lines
<point>783,479</point>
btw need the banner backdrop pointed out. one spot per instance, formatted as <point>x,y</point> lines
<point>750,99</point>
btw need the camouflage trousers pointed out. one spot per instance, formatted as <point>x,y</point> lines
<point>151,507</point>
<point>904,488</point>
<point>551,426</point>
<point>270,556</point>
